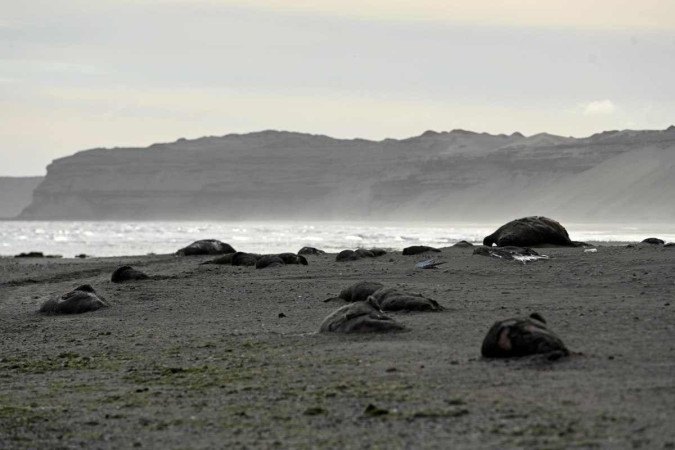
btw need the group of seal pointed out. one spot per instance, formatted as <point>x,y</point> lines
<point>259,261</point>
<point>386,299</point>
<point>359,253</point>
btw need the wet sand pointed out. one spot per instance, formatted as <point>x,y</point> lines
<point>202,358</point>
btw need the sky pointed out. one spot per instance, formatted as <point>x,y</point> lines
<point>83,74</point>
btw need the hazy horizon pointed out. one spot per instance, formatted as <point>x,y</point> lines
<point>76,75</point>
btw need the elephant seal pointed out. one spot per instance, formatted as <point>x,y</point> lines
<point>653,241</point>
<point>530,232</point>
<point>226,259</point>
<point>244,259</point>
<point>522,337</point>
<point>206,247</point>
<point>266,261</point>
<point>359,317</point>
<point>669,244</point>
<point>127,273</point>
<point>292,258</point>
<point>417,249</point>
<point>80,300</point>
<point>391,299</point>
<point>310,251</point>
<point>360,253</point>
<point>30,255</point>
<point>357,292</point>
<point>463,244</point>
<point>508,253</point>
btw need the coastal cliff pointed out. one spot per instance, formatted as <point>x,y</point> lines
<point>457,175</point>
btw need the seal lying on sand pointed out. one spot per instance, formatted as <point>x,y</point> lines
<point>463,244</point>
<point>127,273</point>
<point>391,299</point>
<point>206,247</point>
<point>244,259</point>
<point>521,337</point>
<point>386,299</point>
<point>357,292</point>
<point>310,251</point>
<point>353,255</point>
<point>417,249</point>
<point>509,253</point>
<point>530,232</point>
<point>77,301</point>
<point>281,259</point>
<point>359,317</point>
<point>653,241</point>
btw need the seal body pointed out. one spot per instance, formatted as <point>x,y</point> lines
<point>359,317</point>
<point>521,337</point>
<point>530,232</point>
<point>206,247</point>
<point>391,299</point>
<point>80,300</point>
<point>310,251</point>
<point>417,249</point>
<point>127,273</point>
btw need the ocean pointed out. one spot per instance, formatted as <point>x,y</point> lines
<point>140,238</point>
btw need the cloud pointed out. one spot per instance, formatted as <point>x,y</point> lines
<point>599,107</point>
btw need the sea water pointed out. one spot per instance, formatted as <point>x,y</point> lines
<point>107,238</point>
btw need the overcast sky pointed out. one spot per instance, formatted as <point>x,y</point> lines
<point>82,74</point>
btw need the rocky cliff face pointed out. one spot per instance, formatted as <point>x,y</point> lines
<point>457,175</point>
<point>15,194</point>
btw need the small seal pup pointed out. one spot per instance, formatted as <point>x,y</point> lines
<point>417,249</point>
<point>80,300</point>
<point>127,273</point>
<point>310,251</point>
<point>391,299</point>
<point>522,337</point>
<point>357,292</point>
<point>359,317</point>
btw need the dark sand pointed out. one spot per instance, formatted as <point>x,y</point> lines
<point>202,359</point>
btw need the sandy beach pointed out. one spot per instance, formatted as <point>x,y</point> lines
<point>210,356</point>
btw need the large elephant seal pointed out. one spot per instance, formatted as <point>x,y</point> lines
<point>653,241</point>
<point>127,273</point>
<point>391,299</point>
<point>359,317</point>
<point>418,249</point>
<point>530,232</point>
<point>521,337</point>
<point>357,292</point>
<point>206,247</point>
<point>226,259</point>
<point>310,251</point>
<point>80,300</point>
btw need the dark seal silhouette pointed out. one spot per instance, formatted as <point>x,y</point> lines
<point>653,241</point>
<point>359,317</point>
<point>80,300</point>
<point>417,249</point>
<point>226,259</point>
<point>530,232</point>
<point>508,253</point>
<point>522,337</point>
<point>391,299</point>
<point>30,255</point>
<point>357,292</point>
<point>244,259</point>
<point>266,261</point>
<point>386,299</point>
<point>670,244</point>
<point>360,253</point>
<point>206,247</point>
<point>127,273</point>
<point>292,258</point>
<point>463,244</point>
<point>310,251</point>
